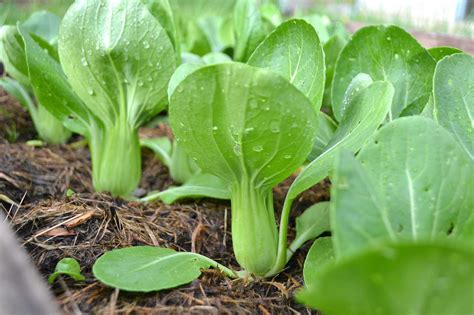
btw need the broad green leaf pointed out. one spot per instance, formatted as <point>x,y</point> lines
<point>439,53</point>
<point>52,88</point>
<point>12,54</point>
<point>332,48</point>
<point>250,29</point>
<point>320,254</point>
<point>162,148</point>
<point>326,129</point>
<point>44,24</point>
<point>162,11</point>
<point>236,120</point>
<point>313,222</point>
<point>428,279</point>
<point>118,59</point>
<point>146,269</point>
<point>385,53</point>
<point>412,182</point>
<point>293,50</point>
<point>454,98</point>
<point>198,186</point>
<point>363,116</point>
<point>320,23</point>
<point>271,12</point>
<point>69,267</point>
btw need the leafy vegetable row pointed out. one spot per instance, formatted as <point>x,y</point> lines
<point>244,105</point>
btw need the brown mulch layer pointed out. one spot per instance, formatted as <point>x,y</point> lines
<point>52,226</point>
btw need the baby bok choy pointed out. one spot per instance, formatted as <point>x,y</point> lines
<point>117,60</point>
<point>12,55</point>
<point>252,128</point>
<point>402,227</point>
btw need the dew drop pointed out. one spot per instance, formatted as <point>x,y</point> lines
<point>275,127</point>
<point>258,148</point>
<point>215,128</point>
<point>146,45</point>
<point>140,83</point>
<point>287,157</point>
<point>84,62</point>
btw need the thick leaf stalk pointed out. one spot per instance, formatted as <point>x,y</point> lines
<point>254,230</point>
<point>116,160</point>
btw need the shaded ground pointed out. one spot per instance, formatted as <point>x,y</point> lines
<point>52,226</point>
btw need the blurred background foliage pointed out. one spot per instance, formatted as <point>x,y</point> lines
<point>344,10</point>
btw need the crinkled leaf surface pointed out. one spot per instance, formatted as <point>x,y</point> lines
<point>439,53</point>
<point>412,182</point>
<point>118,59</point>
<point>385,53</point>
<point>294,51</point>
<point>235,120</point>
<point>69,267</point>
<point>363,116</point>
<point>320,253</point>
<point>146,269</point>
<point>454,98</point>
<point>428,279</point>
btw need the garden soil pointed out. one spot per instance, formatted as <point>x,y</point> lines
<point>56,215</point>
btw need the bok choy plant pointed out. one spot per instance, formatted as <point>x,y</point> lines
<point>402,227</point>
<point>252,126</point>
<point>117,60</point>
<point>12,55</point>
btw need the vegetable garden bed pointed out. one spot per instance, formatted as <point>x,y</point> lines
<point>347,161</point>
<point>37,178</point>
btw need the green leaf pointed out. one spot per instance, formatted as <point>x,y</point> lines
<point>44,24</point>
<point>271,12</point>
<point>326,129</point>
<point>320,23</point>
<point>385,53</point>
<point>162,11</point>
<point>118,59</point>
<point>412,182</point>
<point>18,91</point>
<point>320,254</point>
<point>454,98</point>
<point>250,29</point>
<point>332,48</point>
<point>234,120</point>
<point>12,54</point>
<point>162,148</point>
<point>313,222</point>
<point>363,116</point>
<point>69,267</point>
<point>146,269</point>
<point>293,50</point>
<point>439,53</point>
<point>52,89</point>
<point>428,279</point>
<point>417,107</point>
<point>198,186</point>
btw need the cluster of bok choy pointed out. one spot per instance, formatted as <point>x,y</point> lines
<point>254,98</point>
